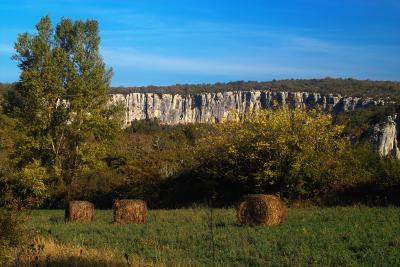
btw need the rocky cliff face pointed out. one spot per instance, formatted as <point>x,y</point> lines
<point>214,107</point>
<point>386,136</point>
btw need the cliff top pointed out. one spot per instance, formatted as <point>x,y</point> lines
<point>349,87</point>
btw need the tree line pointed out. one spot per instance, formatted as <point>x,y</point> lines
<point>348,87</point>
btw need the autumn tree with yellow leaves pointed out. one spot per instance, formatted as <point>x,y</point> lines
<point>293,153</point>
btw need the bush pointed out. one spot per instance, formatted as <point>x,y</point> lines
<point>24,188</point>
<point>292,153</point>
<point>389,173</point>
<point>12,232</point>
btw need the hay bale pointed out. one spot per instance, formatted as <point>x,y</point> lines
<point>260,209</point>
<point>82,211</point>
<point>130,210</point>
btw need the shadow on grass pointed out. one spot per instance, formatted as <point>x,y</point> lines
<point>71,261</point>
<point>75,260</point>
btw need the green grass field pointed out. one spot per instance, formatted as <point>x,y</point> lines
<point>350,236</point>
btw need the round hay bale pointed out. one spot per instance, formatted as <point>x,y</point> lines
<point>130,210</point>
<point>260,209</point>
<point>82,211</point>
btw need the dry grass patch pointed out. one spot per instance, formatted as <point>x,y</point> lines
<point>46,252</point>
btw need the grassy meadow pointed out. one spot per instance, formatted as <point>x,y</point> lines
<point>340,236</point>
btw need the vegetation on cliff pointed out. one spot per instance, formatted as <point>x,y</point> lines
<point>347,87</point>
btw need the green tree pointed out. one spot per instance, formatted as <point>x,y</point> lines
<point>60,103</point>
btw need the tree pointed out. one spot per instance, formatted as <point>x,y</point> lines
<point>294,153</point>
<point>61,102</point>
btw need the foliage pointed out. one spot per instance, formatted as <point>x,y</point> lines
<point>373,180</point>
<point>390,173</point>
<point>60,104</point>
<point>6,146</point>
<point>359,123</point>
<point>339,236</point>
<point>149,154</point>
<point>27,188</point>
<point>294,153</point>
<point>137,164</point>
<point>174,166</point>
<point>13,233</point>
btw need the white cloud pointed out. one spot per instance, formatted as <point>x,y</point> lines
<point>6,49</point>
<point>312,44</point>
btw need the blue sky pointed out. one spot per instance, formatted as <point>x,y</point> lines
<point>163,42</point>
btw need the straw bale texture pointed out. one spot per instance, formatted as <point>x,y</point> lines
<point>82,211</point>
<point>259,209</point>
<point>130,210</point>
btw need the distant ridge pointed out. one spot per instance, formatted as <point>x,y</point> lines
<point>345,87</point>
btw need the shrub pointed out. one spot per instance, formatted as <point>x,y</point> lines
<point>24,188</point>
<point>292,153</point>
<point>390,173</point>
<point>12,232</point>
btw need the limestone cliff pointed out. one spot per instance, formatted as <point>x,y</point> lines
<point>214,107</point>
<point>385,137</point>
